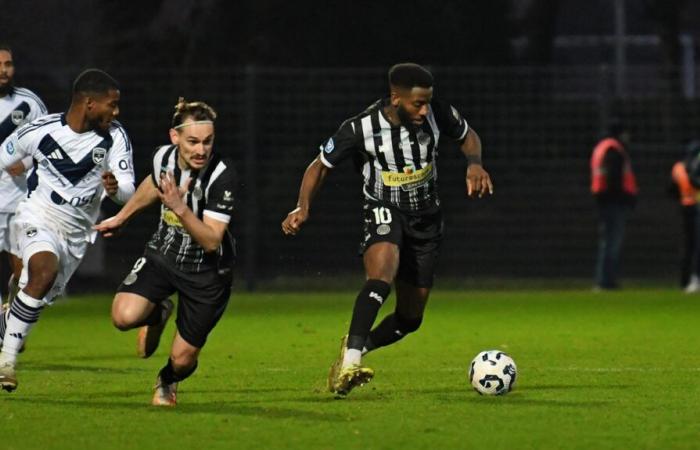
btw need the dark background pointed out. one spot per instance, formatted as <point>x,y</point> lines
<point>537,79</point>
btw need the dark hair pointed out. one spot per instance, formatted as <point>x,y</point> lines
<point>5,47</point>
<point>195,110</point>
<point>94,81</point>
<point>410,75</point>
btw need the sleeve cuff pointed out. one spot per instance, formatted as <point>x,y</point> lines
<point>225,218</point>
<point>325,161</point>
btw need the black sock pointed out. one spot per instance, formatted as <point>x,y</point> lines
<point>392,328</point>
<point>168,375</point>
<point>367,304</point>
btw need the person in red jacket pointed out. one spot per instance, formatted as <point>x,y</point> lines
<point>615,190</point>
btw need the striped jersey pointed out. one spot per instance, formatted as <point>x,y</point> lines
<point>398,161</point>
<point>65,186</point>
<point>210,193</point>
<point>18,107</point>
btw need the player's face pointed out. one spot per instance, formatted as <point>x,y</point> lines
<point>195,141</point>
<point>412,105</point>
<point>102,109</point>
<point>7,71</point>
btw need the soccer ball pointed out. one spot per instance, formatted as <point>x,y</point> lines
<point>492,372</point>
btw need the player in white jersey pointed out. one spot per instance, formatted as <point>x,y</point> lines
<point>18,106</point>
<point>80,157</point>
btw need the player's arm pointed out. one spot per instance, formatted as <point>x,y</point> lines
<point>312,181</point>
<point>478,180</point>
<point>12,152</point>
<point>145,195</point>
<point>208,232</point>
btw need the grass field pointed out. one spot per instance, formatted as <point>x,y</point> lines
<point>616,370</point>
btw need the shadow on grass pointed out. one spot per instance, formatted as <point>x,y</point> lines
<point>223,407</point>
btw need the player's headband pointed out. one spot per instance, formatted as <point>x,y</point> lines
<point>196,122</point>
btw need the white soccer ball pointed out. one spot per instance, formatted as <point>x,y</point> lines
<point>492,372</point>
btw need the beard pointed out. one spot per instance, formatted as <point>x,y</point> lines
<point>7,87</point>
<point>404,116</point>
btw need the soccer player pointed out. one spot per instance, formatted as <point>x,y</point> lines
<point>80,155</point>
<point>396,140</point>
<point>17,107</point>
<point>190,253</point>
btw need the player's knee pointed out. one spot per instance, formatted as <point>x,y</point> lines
<point>124,317</point>
<point>408,325</point>
<point>183,361</point>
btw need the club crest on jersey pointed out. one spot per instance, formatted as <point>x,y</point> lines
<point>17,117</point>
<point>98,155</point>
<point>330,146</point>
<point>423,138</point>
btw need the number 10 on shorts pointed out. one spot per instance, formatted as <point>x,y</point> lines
<point>381,215</point>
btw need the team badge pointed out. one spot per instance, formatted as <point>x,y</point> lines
<point>98,155</point>
<point>330,146</point>
<point>383,229</point>
<point>130,279</point>
<point>197,192</point>
<point>17,117</point>
<point>10,148</point>
<point>31,232</point>
<point>228,196</point>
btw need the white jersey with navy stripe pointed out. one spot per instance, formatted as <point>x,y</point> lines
<point>17,108</point>
<point>65,186</point>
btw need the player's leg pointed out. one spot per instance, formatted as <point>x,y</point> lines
<point>383,235</point>
<point>419,256</point>
<point>202,301</point>
<point>181,364</point>
<point>13,282</point>
<point>141,302</point>
<point>406,318</point>
<point>42,270</point>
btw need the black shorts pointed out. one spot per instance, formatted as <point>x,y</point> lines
<point>202,296</point>
<point>419,238</point>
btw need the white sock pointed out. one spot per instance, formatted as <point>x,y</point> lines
<point>353,357</point>
<point>24,312</point>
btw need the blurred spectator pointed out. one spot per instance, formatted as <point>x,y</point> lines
<point>614,187</point>
<point>686,180</point>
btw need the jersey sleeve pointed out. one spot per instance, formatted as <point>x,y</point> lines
<point>449,121</point>
<point>15,148</point>
<point>220,194</point>
<point>342,145</point>
<point>120,157</point>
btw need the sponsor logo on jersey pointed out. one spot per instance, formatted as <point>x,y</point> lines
<point>330,146</point>
<point>31,232</point>
<point>17,117</point>
<point>228,196</point>
<point>98,155</point>
<point>56,154</point>
<point>171,218</point>
<point>10,148</point>
<point>408,180</point>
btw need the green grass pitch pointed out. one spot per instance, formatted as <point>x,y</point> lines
<point>616,370</point>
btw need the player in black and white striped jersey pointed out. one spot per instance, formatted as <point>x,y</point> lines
<point>17,106</point>
<point>396,140</point>
<point>191,252</point>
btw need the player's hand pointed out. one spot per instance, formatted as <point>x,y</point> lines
<point>478,181</point>
<point>16,169</point>
<point>172,195</point>
<point>110,183</point>
<point>110,227</point>
<point>292,223</point>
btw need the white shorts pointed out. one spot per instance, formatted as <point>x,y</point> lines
<point>7,243</point>
<point>33,237</point>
